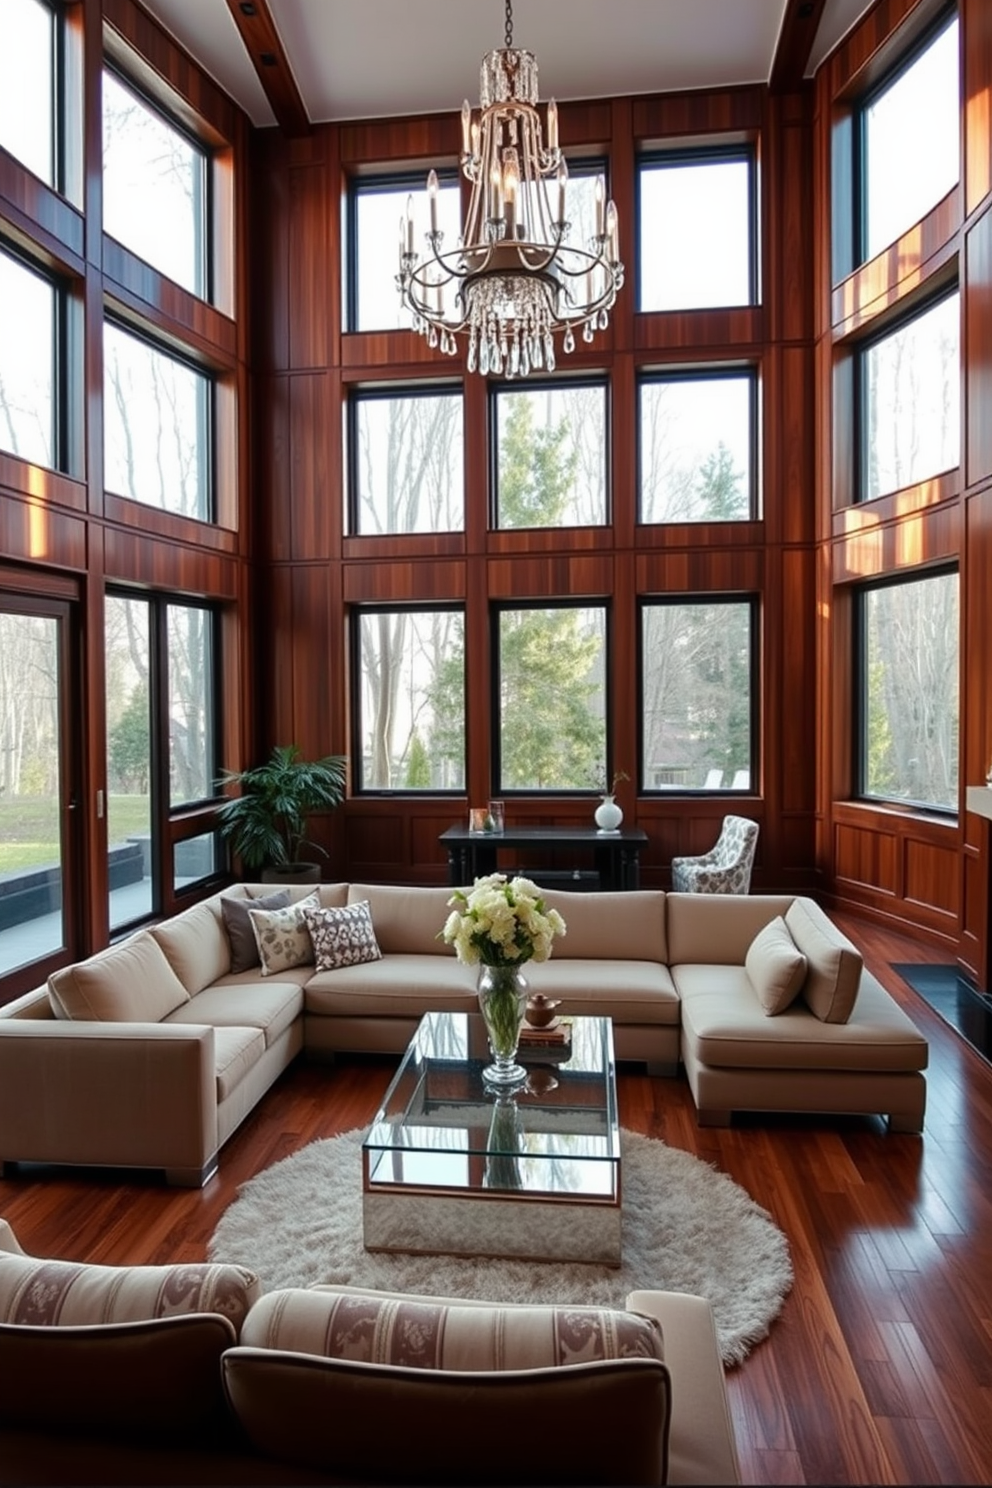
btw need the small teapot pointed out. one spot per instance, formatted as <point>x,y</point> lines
<point>541,1009</point>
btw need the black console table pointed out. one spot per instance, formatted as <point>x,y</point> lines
<point>616,854</point>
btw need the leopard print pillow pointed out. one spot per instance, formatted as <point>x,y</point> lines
<point>342,937</point>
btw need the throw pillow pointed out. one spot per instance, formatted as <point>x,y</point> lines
<point>244,947</point>
<point>834,964</point>
<point>282,936</point>
<point>128,983</point>
<point>342,937</point>
<point>775,966</point>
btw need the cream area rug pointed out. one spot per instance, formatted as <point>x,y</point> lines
<point>686,1228</point>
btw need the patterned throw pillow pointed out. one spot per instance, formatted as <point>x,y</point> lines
<point>282,935</point>
<point>343,937</point>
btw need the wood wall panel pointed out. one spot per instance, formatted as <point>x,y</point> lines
<point>727,571</point>
<point>313,510</point>
<point>978,339</point>
<point>20,478</point>
<point>576,576</point>
<point>911,262</point>
<point>155,302</point>
<point>137,558</point>
<point>977,58</point>
<point>792,420</point>
<point>37,533</point>
<point>403,583</point>
<point>38,216</point>
<point>932,876</point>
<point>698,115</point>
<point>928,535</point>
<point>867,857</point>
<point>310,282</point>
<point>794,641</point>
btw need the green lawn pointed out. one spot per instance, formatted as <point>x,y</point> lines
<point>29,831</point>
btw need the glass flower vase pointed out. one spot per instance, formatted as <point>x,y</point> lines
<point>503,1004</point>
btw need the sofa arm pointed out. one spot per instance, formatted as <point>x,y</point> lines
<point>109,1094</point>
<point>701,1447</point>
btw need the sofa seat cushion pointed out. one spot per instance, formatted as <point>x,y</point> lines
<point>626,991</point>
<point>611,927</point>
<point>236,1050</point>
<point>196,945</point>
<point>397,986</point>
<point>454,1373</point>
<point>270,1006</point>
<point>128,983</point>
<point>725,1026</point>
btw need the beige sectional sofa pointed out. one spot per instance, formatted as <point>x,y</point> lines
<point>151,1053</point>
<point>189,1374</point>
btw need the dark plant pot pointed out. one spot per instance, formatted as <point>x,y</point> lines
<point>293,873</point>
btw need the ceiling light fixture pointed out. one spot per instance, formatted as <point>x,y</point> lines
<point>514,280</point>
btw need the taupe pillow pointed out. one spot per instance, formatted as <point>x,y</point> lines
<point>237,923</point>
<point>342,937</point>
<point>129,983</point>
<point>282,935</point>
<point>833,973</point>
<point>775,966</point>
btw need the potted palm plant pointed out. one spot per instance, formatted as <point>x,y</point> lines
<point>266,824</point>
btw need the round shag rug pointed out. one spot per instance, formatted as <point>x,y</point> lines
<point>686,1228</point>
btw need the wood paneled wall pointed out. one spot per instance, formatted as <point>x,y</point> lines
<point>306,365</point>
<point>930,874</point>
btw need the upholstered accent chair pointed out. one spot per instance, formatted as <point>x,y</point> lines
<point>726,868</point>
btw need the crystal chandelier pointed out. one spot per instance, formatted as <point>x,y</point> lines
<point>514,279</point>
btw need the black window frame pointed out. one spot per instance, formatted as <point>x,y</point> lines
<point>354,645</point>
<point>551,602</point>
<point>859,129</point>
<point>385,393</point>
<point>63,422</point>
<point>707,154</point>
<point>859,380</point>
<point>205,215</point>
<point>415,182</point>
<point>169,349</point>
<point>497,387</point>
<point>859,674</point>
<point>700,598</point>
<point>722,373</point>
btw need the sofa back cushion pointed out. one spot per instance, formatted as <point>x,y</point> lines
<point>131,1349</point>
<point>717,929</point>
<point>406,919</point>
<point>128,983</point>
<point>610,927</point>
<point>196,945</point>
<point>833,975</point>
<point>775,966</point>
<point>454,1373</point>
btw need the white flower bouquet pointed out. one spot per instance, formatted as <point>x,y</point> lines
<point>501,922</point>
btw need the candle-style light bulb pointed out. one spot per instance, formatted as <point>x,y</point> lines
<point>562,179</point>
<point>409,224</point>
<point>466,127</point>
<point>600,197</point>
<point>552,125</point>
<point>432,198</point>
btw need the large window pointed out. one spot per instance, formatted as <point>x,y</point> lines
<point>155,178</point>
<point>407,462</point>
<point>697,435</point>
<point>377,220</point>
<point>551,455</point>
<point>409,667</point>
<point>909,140</point>
<point>27,86</point>
<point>551,686</point>
<point>30,346</point>
<point>908,714</point>
<point>910,400</point>
<point>698,694</point>
<point>157,419</point>
<point>696,230</point>
<point>161,744</point>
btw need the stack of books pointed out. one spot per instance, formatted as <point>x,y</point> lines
<point>554,1041</point>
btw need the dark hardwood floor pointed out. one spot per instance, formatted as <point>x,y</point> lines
<point>879,1369</point>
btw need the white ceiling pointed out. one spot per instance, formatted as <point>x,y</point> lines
<point>360,59</point>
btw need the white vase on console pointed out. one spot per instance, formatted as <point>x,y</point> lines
<point>608,815</point>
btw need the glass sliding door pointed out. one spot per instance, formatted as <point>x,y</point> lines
<point>131,861</point>
<point>36,800</point>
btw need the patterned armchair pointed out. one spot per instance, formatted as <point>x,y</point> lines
<point>726,868</point>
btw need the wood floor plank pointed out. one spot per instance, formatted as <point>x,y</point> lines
<point>879,1369</point>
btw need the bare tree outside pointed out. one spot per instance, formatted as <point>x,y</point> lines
<point>559,426</point>
<point>409,463</point>
<point>192,765</point>
<point>412,699</point>
<point>697,690</point>
<point>695,448</point>
<point>913,400</point>
<point>27,363</point>
<point>910,705</point>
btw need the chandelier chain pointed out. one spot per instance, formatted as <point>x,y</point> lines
<point>509,26</point>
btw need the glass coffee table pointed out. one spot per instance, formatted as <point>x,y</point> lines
<point>450,1167</point>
